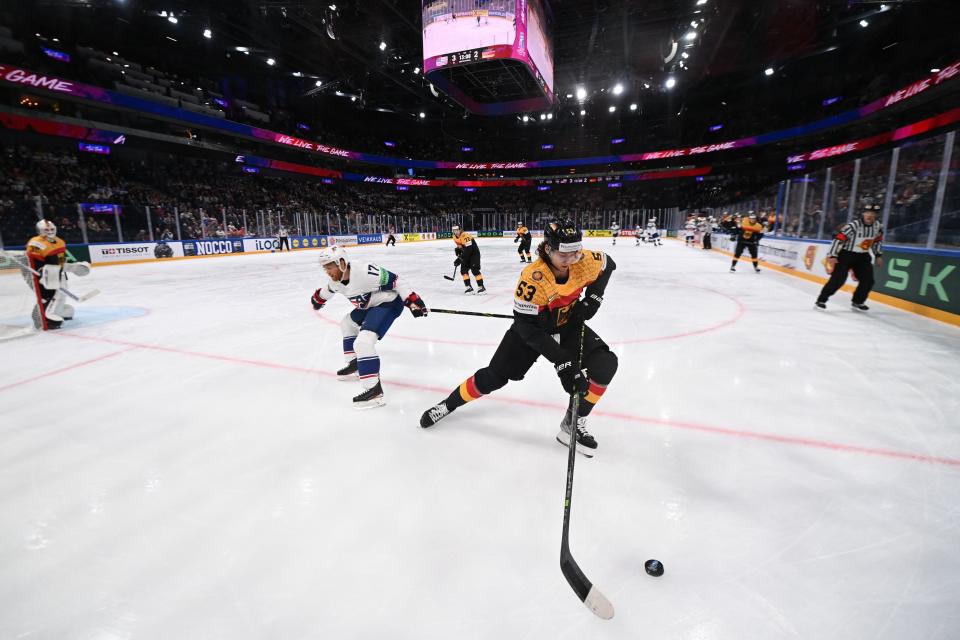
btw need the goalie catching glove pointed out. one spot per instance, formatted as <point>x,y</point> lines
<point>416,305</point>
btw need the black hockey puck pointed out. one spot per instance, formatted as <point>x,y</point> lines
<point>654,567</point>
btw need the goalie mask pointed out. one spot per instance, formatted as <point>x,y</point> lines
<point>47,229</point>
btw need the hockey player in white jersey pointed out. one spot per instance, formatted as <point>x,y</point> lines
<point>379,297</point>
<point>689,231</point>
<point>615,232</point>
<point>653,234</point>
<point>640,235</point>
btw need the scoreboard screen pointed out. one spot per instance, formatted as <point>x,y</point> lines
<point>468,32</point>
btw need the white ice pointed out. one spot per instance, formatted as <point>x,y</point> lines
<point>464,33</point>
<point>181,463</point>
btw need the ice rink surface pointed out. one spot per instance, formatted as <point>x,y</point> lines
<point>182,463</point>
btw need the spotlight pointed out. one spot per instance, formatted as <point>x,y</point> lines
<point>583,112</point>
<point>768,71</point>
<point>526,118</point>
<point>543,116</point>
<point>416,70</point>
<point>864,24</point>
<point>617,89</point>
<point>670,83</point>
<point>633,107</point>
<point>172,19</point>
<point>207,34</point>
<point>318,83</point>
<point>612,109</point>
<point>422,115</point>
<point>271,61</point>
<point>549,116</point>
<point>383,46</point>
<point>581,93</point>
<point>691,36</point>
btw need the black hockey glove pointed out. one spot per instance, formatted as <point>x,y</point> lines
<point>516,240</point>
<point>456,262</point>
<point>571,379</point>
<point>416,305</point>
<point>587,308</point>
<point>317,301</point>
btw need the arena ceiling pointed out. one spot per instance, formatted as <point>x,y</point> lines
<point>753,66</point>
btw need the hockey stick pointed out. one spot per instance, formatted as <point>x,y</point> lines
<point>472,313</point>
<point>453,277</point>
<point>588,594</point>
<point>83,298</point>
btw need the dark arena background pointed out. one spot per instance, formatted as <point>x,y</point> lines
<point>714,244</point>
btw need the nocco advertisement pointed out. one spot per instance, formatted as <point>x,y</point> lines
<point>101,253</point>
<point>212,247</point>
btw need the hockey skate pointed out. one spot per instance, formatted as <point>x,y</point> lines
<point>733,269</point>
<point>349,372</point>
<point>481,290</point>
<point>586,444</point>
<point>469,290</point>
<point>434,414</point>
<point>820,305</point>
<point>756,269</point>
<point>371,398</point>
<point>859,306</point>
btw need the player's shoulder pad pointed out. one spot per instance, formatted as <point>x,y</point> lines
<point>532,292</point>
<point>37,243</point>
<point>595,259</point>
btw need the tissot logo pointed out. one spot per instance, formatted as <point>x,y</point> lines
<point>117,251</point>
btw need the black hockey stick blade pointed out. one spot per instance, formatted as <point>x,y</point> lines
<point>450,278</point>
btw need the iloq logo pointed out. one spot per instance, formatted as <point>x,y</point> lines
<point>266,245</point>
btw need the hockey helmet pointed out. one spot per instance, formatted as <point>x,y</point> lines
<point>563,235</point>
<point>47,229</point>
<point>333,254</point>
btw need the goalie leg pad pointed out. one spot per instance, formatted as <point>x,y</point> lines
<point>52,312</point>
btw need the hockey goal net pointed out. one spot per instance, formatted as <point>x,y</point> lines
<point>18,301</point>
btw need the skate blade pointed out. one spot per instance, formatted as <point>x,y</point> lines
<point>373,403</point>
<point>584,451</point>
<point>469,293</point>
<point>353,377</point>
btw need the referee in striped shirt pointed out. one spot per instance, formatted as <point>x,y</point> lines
<point>851,251</point>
